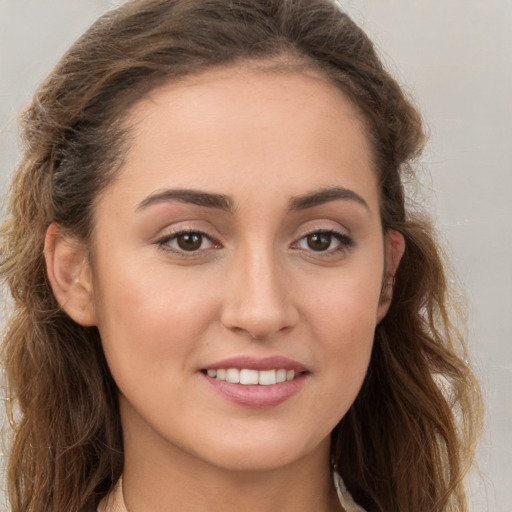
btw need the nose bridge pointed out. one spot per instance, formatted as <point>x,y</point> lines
<point>258,299</point>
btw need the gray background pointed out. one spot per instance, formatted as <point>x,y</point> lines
<point>453,56</point>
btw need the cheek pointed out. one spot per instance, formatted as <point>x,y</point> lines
<point>347,326</point>
<point>343,316</point>
<point>347,301</point>
<point>340,319</point>
<point>147,317</point>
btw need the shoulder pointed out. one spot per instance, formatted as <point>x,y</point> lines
<point>113,502</point>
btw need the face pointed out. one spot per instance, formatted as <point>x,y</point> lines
<point>237,268</point>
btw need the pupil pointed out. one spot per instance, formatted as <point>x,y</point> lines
<point>190,241</point>
<point>319,241</point>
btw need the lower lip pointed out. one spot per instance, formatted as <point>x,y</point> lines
<point>256,396</point>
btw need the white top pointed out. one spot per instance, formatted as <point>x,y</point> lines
<point>114,502</point>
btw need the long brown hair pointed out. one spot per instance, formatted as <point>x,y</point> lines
<point>407,441</point>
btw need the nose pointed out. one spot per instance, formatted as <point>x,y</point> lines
<point>258,299</point>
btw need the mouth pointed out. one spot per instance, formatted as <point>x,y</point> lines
<point>250,377</point>
<point>260,383</point>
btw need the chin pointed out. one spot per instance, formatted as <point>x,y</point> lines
<point>263,455</point>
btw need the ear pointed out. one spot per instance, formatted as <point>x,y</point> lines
<point>70,275</point>
<point>394,250</point>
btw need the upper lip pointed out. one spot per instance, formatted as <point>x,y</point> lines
<point>254,363</point>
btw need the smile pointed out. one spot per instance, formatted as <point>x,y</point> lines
<point>258,383</point>
<point>248,377</point>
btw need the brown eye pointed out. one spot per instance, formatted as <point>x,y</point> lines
<point>329,242</point>
<point>319,241</point>
<point>189,241</point>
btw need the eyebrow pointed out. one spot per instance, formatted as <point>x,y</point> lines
<point>326,195</point>
<point>222,202</point>
<point>196,197</point>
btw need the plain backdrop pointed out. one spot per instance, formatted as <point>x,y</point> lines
<point>454,58</point>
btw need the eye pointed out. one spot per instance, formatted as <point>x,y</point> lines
<point>324,241</point>
<point>187,241</point>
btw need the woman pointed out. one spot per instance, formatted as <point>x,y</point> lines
<point>220,300</point>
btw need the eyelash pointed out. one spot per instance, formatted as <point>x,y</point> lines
<point>345,242</point>
<point>164,242</point>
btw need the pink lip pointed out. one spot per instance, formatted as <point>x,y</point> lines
<point>254,396</point>
<point>253,363</point>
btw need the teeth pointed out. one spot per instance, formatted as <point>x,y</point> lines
<point>280,375</point>
<point>252,377</point>
<point>267,378</point>
<point>233,375</point>
<point>248,376</point>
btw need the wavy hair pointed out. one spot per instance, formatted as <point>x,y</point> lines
<point>407,441</point>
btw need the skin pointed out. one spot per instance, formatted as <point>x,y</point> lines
<point>254,287</point>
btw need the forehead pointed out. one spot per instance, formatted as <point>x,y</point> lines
<point>251,93</point>
<point>244,125</point>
